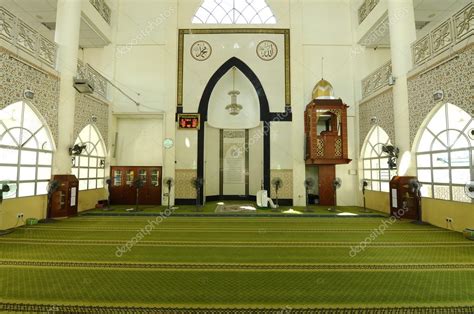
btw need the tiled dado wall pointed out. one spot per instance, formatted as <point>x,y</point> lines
<point>381,107</point>
<point>16,76</point>
<point>455,78</point>
<point>88,107</point>
<point>286,176</point>
<point>183,186</point>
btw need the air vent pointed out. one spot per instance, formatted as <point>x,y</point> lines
<point>50,25</point>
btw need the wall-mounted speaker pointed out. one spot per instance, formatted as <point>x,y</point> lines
<point>83,86</point>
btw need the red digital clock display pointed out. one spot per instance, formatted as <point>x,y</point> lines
<point>188,121</point>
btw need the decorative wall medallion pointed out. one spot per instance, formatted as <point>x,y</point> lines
<point>201,50</point>
<point>267,50</point>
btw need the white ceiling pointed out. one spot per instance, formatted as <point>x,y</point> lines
<point>36,12</point>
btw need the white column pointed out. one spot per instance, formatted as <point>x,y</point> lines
<point>298,103</point>
<point>68,20</point>
<point>402,34</point>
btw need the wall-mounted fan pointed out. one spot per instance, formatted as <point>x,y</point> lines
<point>168,182</point>
<point>469,189</point>
<point>392,153</point>
<point>309,183</point>
<point>197,183</point>
<point>277,184</point>
<point>76,149</point>
<point>336,184</point>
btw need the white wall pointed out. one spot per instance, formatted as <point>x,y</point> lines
<point>225,46</point>
<point>144,58</point>
<point>249,116</point>
<point>139,142</point>
<point>281,157</point>
<point>186,149</point>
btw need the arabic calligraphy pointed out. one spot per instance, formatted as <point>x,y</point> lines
<point>201,50</point>
<point>267,50</point>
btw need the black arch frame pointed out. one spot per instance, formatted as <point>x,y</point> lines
<point>265,115</point>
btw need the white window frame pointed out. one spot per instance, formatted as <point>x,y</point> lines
<point>374,150</point>
<point>432,188</point>
<point>44,149</point>
<point>234,12</point>
<point>90,161</point>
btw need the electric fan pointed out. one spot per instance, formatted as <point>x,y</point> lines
<point>169,182</point>
<point>336,184</point>
<point>197,183</point>
<point>363,185</point>
<point>5,188</point>
<point>309,183</point>
<point>392,153</point>
<point>52,187</point>
<point>469,189</point>
<point>138,184</point>
<point>76,149</point>
<point>277,184</point>
<point>108,182</point>
<point>415,188</point>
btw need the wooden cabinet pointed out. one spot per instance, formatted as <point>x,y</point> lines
<point>64,199</point>
<point>124,192</point>
<point>404,201</point>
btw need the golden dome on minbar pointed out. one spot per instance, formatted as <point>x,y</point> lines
<point>323,90</point>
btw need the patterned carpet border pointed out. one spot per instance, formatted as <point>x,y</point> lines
<point>42,308</point>
<point>139,214</point>
<point>236,230</point>
<point>192,266</point>
<point>234,244</point>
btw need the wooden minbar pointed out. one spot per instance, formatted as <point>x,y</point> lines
<point>325,123</point>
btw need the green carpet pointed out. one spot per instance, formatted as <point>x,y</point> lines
<point>235,264</point>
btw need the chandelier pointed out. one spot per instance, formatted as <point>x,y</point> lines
<point>233,108</point>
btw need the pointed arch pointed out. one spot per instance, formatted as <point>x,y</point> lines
<point>26,147</point>
<point>445,153</point>
<point>375,162</point>
<point>89,167</point>
<point>234,12</point>
<point>251,76</point>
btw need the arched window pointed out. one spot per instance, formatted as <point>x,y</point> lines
<point>375,161</point>
<point>234,12</point>
<point>89,166</point>
<point>26,151</point>
<point>445,154</point>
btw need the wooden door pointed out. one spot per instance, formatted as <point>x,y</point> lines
<point>327,174</point>
<point>123,191</point>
